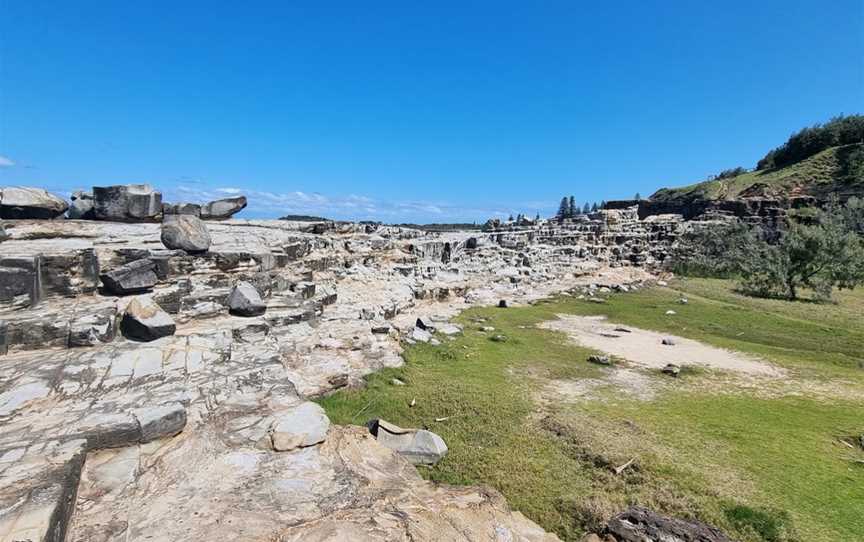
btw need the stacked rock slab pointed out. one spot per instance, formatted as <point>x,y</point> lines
<point>18,202</point>
<point>135,277</point>
<point>126,203</point>
<point>223,208</point>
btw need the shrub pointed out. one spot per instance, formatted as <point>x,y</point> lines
<point>842,130</point>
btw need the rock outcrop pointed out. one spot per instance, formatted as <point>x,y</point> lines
<point>127,203</point>
<point>19,202</point>
<point>185,232</point>
<point>134,277</point>
<point>637,524</point>
<point>223,208</point>
<point>81,207</point>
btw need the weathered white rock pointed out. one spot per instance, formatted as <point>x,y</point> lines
<point>18,202</point>
<point>144,320</point>
<point>420,335</point>
<point>134,277</point>
<point>185,232</point>
<point>223,208</point>
<point>450,329</point>
<point>245,300</point>
<point>419,446</point>
<point>304,425</point>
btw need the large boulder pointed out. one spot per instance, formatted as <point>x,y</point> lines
<point>23,202</point>
<point>132,278</point>
<point>418,446</point>
<point>126,203</point>
<point>185,232</point>
<point>181,209</point>
<point>245,300</point>
<point>304,425</point>
<point>637,524</point>
<point>144,320</point>
<point>82,206</point>
<point>223,208</point>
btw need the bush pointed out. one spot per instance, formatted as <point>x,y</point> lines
<point>823,253</point>
<point>809,141</point>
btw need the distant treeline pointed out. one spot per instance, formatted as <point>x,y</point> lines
<point>842,130</point>
<point>569,208</point>
<point>304,218</point>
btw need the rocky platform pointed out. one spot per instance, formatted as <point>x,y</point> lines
<point>184,437</point>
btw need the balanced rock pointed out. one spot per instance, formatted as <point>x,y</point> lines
<point>192,209</point>
<point>82,206</point>
<point>185,232</point>
<point>126,203</point>
<point>637,524</point>
<point>245,300</point>
<point>304,425</point>
<point>144,320</point>
<point>18,202</point>
<point>134,277</point>
<point>418,446</point>
<point>223,208</point>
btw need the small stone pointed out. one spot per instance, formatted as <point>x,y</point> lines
<point>502,304</point>
<point>596,300</point>
<point>419,446</point>
<point>396,382</point>
<point>425,324</point>
<point>683,301</point>
<point>185,232</point>
<point>662,283</point>
<point>487,329</point>
<point>420,335</point>
<point>499,338</point>
<point>671,313</point>
<point>304,425</point>
<point>245,300</point>
<point>144,320</point>
<point>622,330</point>
<point>671,369</point>
<point>450,329</point>
<point>134,277</point>
<point>668,342</point>
<point>381,330</point>
<point>599,359</point>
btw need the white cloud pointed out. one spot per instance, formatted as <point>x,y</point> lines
<point>6,162</point>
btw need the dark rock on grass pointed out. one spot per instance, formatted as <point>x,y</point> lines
<point>599,359</point>
<point>637,524</point>
<point>671,369</point>
<point>144,320</point>
<point>126,203</point>
<point>419,446</point>
<point>498,338</point>
<point>223,208</point>
<point>245,300</point>
<point>502,304</point>
<point>185,232</point>
<point>134,277</point>
<point>19,202</point>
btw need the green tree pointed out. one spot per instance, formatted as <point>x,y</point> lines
<point>563,208</point>
<point>571,207</point>
<point>638,196</point>
<point>586,208</point>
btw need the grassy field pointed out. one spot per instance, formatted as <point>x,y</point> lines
<point>762,462</point>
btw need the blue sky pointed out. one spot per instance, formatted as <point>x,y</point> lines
<point>432,111</point>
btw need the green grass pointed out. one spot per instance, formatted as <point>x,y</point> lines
<point>760,467</point>
<point>818,175</point>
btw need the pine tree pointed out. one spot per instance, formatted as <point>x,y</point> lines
<point>562,209</point>
<point>571,207</point>
<point>603,204</point>
<point>510,218</point>
<point>537,218</point>
<point>594,207</point>
<point>586,209</point>
<point>638,197</point>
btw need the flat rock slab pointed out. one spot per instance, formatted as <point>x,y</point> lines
<point>646,348</point>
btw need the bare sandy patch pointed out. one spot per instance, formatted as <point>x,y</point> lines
<point>646,348</point>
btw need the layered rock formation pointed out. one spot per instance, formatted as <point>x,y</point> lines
<point>201,432</point>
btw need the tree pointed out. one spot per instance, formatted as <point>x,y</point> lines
<point>510,218</point>
<point>638,196</point>
<point>571,207</point>
<point>594,207</point>
<point>603,204</point>
<point>537,218</point>
<point>586,208</point>
<point>563,208</point>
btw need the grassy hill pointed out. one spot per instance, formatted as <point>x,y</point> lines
<point>835,170</point>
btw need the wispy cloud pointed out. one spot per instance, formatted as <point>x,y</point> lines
<point>6,162</point>
<point>264,204</point>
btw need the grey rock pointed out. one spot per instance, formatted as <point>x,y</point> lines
<point>420,335</point>
<point>487,329</point>
<point>450,329</point>
<point>185,232</point>
<point>425,324</point>
<point>499,338</point>
<point>144,320</point>
<point>161,421</point>
<point>245,300</point>
<point>81,207</point>
<point>192,209</point>
<point>19,202</point>
<point>637,524</point>
<point>126,203</point>
<point>223,208</point>
<point>134,277</point>
<point>668,342</point>
<point>397,382</point>
<point>418,446</point>
<point>599,359</point>
<point>304,425</point>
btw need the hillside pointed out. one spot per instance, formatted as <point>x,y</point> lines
<point>835,170</point>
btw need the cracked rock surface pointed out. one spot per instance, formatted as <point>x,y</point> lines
<point>208,433</point>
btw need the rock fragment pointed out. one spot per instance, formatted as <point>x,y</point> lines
<point>19,202</point>
<point>134,277</point>
<point>304,425</point>
<point>668,341</point>
<point>637,524</point>
<point>245,300</point>
<point>419,446</point>
<point>599,359</point>
<point>185,232</point>
<point>671,369</point>
<point>223,208</point>
<point>160,421</point>
<point>144,320</point>
<point>420,335</point>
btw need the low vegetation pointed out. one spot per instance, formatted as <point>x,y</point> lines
<point>820,249</point>
<point>763,461</point>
